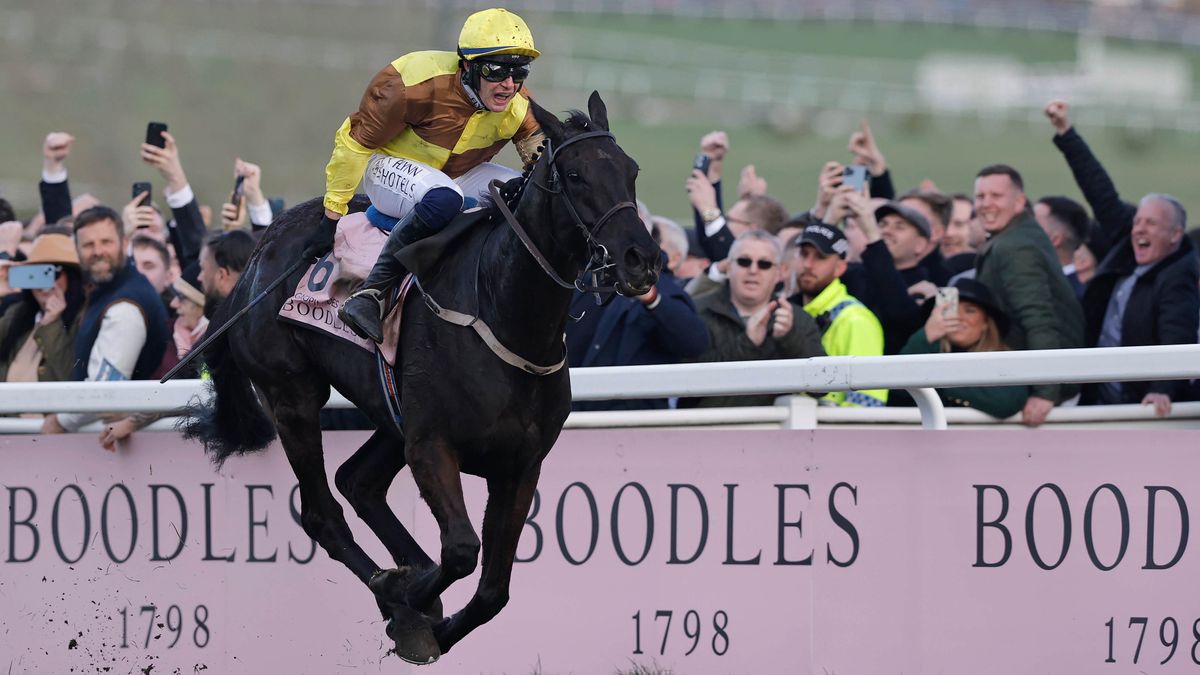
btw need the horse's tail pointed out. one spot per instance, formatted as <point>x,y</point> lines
<point>232,421</point>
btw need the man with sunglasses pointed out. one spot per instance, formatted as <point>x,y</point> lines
<point>749,318</point>
<point>424,133</point>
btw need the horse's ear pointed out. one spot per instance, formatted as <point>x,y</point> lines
<point>550,124</point>
<point>597,111</point>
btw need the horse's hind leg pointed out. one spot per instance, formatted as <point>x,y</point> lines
<point>509,499</point>
<point>296,407</point>
<point>364,480</point>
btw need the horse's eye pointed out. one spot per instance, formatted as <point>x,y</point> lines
<point>574,176</point>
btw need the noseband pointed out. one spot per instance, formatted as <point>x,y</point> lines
<point>600,263</point>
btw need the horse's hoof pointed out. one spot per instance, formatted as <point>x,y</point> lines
<point>413,635</point>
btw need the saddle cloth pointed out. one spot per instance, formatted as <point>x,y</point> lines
<point>329,281</point>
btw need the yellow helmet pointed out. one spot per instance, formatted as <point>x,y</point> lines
<point>493,32</point>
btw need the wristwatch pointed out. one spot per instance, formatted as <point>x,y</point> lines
<point>710,214</point>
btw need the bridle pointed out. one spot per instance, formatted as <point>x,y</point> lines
<point>600,267</point>
<point>600,264</point>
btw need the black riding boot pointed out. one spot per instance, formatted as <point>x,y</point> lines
<point>363,311</point>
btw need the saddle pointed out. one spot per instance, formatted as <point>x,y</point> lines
<point>330,280</point>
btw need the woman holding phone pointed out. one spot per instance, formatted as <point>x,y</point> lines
<point>972,323</point>
<point>37,334</point>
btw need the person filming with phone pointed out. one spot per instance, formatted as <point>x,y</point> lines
<point>37,335</point>
<point>185,230</point>
<point>246,200</point>
<point>965,318</point>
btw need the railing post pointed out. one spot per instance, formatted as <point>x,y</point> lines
<point>933,413</point>
<point>802,411</point>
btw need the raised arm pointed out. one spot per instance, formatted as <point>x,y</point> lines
<point>1114,215</point>
<point>54,189</point>
<point>866,152</point>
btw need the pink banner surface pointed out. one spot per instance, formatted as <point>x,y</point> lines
<point>690,551</point>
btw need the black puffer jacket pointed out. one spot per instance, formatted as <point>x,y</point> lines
<point>1164,307</point>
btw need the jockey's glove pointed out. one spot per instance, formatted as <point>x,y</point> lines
<point>320,241</point>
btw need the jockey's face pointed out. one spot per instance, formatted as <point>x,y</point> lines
<point>496,95</point>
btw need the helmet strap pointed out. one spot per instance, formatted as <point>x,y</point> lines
<point>470,82</point>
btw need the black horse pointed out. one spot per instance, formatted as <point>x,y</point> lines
<point>464,409</point>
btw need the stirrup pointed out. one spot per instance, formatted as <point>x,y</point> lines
<point>374,293</point>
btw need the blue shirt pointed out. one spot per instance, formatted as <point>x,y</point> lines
<point>1110,330</point>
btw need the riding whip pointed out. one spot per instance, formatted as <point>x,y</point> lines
<point>232,320</point>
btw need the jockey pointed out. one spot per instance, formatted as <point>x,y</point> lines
<point>424,132</point>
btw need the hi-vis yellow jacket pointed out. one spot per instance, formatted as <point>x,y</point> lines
<point>416,108</point>
<point>848,328</point>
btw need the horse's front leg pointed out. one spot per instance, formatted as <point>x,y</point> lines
<point>364,480</point>
<point>509,498</point>
<point>436,471</point>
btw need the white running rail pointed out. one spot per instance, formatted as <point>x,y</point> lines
<point>917,373</point>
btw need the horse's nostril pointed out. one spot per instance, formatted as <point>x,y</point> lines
<point>634,260</point>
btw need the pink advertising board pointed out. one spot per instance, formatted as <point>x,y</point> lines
<point>691,551</point>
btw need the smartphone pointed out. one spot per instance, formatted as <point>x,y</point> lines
<point>139,188</point>
<point>154,134</point>
<point>32,276</point>
<point>236,199</point>
<point>855,176</point>
<point>701,163</point>
<point>946,301</point>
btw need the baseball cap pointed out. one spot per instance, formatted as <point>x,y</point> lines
<point>827,239</point>
<point>911,215</point>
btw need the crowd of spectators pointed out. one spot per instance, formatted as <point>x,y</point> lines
<point>870,271</point>
<point>125,290</point>
<point>104,293</point>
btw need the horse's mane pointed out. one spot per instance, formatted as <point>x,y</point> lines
<point>577,121</point>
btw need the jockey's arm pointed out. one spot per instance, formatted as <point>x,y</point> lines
<point>528,137</point>
<point>380,117</point>
<point>344,171</point>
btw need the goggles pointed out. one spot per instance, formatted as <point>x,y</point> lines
<point>499,72</point>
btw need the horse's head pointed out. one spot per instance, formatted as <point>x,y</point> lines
<point>593,180</point>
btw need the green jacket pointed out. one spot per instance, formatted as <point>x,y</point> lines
<point>728,342</point>
<point>56,340</point>
<point>999,402</point>
<point>1020,268</point>
<point>848,329</point>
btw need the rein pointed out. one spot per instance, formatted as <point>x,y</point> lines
<point>599,260</point>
